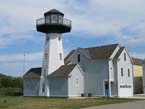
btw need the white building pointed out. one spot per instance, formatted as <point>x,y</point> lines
<point>99,71</point>
<point>108,70</point>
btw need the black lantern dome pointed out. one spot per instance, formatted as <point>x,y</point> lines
<point>53,11</point>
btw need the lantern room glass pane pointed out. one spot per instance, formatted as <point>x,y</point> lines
<point>53,18</point>
<point>47,19</point>
<point>59,19</point>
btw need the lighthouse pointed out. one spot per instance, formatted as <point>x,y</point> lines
<point>53,25</point>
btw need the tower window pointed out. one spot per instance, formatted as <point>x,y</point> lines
<point>47,38</point>
<point>128,72</point>
<point>79,58</point>
<point>44,73</point>
<point>124,56</point>
<point>59,38</point>
<point>46,56</point>
<point>60,56</point>
<point>121,71</point>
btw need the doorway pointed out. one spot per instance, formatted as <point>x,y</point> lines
<point>106,92</point>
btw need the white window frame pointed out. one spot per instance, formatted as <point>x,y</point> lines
<point>76,81</point>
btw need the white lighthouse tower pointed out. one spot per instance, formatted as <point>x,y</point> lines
<point>53,24</point>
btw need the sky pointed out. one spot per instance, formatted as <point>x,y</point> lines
<point>94,23</point>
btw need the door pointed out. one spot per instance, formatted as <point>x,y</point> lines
<point>106,88</point>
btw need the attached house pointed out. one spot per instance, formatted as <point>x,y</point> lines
<point>138,75</point>
<point>108,70</point>
<point>31,82</point>
<point>67,81</point>
<point>100,71</point>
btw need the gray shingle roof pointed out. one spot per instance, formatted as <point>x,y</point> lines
<point>33,73</point>
<point>119,52</point>
<point>63,71</point>
<point>100,51</point>
<point>66,58</point>
<point>96,52</point>
<point>137,61</point>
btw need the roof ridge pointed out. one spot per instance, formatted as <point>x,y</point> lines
<point>63,71</point>
<point>119,52</point>
<point>101,46</point>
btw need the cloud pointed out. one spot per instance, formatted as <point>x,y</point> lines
<point>133,34</point>
<point>16,64</point>
<point>93,17</point>
<point>120,20</point>
<point>138,55</point>
<point>20,57</point>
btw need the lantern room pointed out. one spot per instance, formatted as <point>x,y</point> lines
<point>53,16</point>
<point>53,22</point>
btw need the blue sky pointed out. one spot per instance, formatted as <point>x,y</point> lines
<point>94,23</point>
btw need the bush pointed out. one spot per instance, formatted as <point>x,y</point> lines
<point>11,91</point>
<point>11,82</point>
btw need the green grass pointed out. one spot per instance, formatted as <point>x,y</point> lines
<point>55,103</point>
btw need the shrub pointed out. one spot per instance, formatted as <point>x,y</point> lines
<point>11,91</point>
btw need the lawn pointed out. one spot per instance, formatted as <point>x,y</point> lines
<point>12,102</point>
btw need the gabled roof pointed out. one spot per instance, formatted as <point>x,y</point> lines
<point>100,51</point>
<point>66,58</point>
<point>137,61</point>
<point>119,52</point>
<point>33,73</point>
<point>63,71</point>
<point>96,52</point>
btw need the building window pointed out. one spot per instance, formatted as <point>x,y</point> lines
<point>43,87</point>
<point>60,56</point>
<point>121,71</point>
<point>124,56</point>
<point>79,58</point>
<point>77,81</point>
<point>128,72</point>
